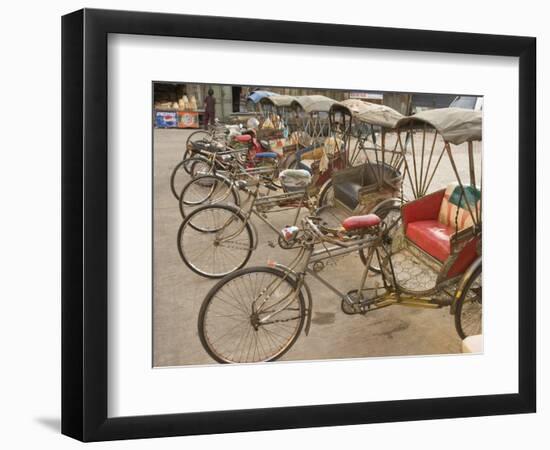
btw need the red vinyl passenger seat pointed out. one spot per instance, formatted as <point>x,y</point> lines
<point>431,236</point>
<point>430,221</point>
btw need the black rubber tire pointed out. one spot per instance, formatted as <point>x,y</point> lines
<point>181,170</point>
<point>204,135</point>
<point>291,162</point>
<point>211,295</point>
<point>382,213</point>
<point>324,193</point>
<point>237,212</point>
<point>460,303</point>
<point>234,194</point>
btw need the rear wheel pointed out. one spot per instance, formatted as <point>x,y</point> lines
<point>391,216</point>
<point>215,240</point>
<point>253,315</point>
<point>291,162</point>
<point>326,196</point>
<point>468,314</point>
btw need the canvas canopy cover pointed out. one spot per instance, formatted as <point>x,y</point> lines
<point>373,113</point>
<point>455,125</point>
<point>314,103</point>
<point>280,101</point>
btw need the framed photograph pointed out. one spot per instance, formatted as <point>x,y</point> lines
<point>273,225</point>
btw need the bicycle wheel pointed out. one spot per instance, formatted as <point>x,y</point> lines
<point>253,315</point>
<point>199,135</point>
<point>179,176</point>
<point>200,166</point>
<point>215,240</point>
<point>391,216</point>
<point>468,314</point>
<point>326,196</point>
<point>206,190</point>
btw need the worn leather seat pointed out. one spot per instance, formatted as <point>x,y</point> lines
<point>348,193</point>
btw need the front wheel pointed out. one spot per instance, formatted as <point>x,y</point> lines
<point>180,174</point>
<point>207,190</point>
<point>253,315</point>
<point>468,314</point>
<point>215,240</point>
<point>198,136</point>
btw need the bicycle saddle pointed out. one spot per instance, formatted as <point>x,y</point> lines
<point>243,138</point>
<point>266,155</point>
<point>357,222</point>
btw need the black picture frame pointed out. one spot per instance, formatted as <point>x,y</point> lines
<point>84,224</point>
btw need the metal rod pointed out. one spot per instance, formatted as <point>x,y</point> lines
<point>414,160</point>
<point>425,185</point>
<point>474,218</point>
<point>422,159</point>
<point>326,283</point>
<point>406,165</point>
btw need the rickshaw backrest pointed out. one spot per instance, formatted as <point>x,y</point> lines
<point>454,211</point>
<point>429,221</point>
<point>351,185</point>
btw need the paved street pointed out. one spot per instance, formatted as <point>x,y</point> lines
<point>178,293</point>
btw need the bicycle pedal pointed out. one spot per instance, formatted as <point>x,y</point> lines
<point>271,244</point>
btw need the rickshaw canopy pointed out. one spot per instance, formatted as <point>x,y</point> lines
<point>279,101</point>
<point>256,96</point>
<point>314,103</point>
<point>455,125</point>
<point>372,113</point>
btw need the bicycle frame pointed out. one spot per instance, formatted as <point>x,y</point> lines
<point>268,202</point>
<point>304,264</point>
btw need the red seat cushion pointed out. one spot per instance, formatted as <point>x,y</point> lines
<point>431,236</point>
<point>243,138</point>
<point>356,222</point>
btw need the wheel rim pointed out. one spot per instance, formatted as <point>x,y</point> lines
<point>328,197</point>
<point>214,242</point>
<point>206,190</point>
<point>232,331</point>
<point>471,311</point>
<point>391,219</point>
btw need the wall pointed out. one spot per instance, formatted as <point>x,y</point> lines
<point>30,187</point>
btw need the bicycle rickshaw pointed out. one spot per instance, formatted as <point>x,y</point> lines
<point>313,145</point>
<point>433,261</point>
<point>210,156</point>
<point>253,100</point>
<point>371,182</point>
<point>380,185</point>
<point>235,230</point>
<point>279,106</point>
